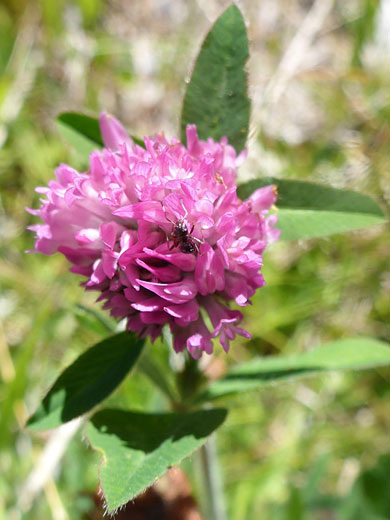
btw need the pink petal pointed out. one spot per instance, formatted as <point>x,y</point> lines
<point>181,260</point>
<point>155,303</point>
<point>87,236</point>
<point>112,131</point>
<point>209,271</point>
<point>263,198</point>
<point>179,292</point>
<point>109,263</point>
<point>165,274</point>
<point>185,312</point>
<point>154,318</point>
<point>151,211</point>
<point>108,232</point>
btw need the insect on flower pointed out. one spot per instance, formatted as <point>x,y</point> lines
<point>182,237</point>
<point>117,222</point>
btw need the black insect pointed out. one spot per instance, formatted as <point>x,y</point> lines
<point>182,238</point>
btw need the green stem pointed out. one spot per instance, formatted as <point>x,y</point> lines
<point>153,372</point>
<point>214,500</point>
<point>189,381</point>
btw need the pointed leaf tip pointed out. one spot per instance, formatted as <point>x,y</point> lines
<point>216,99</point>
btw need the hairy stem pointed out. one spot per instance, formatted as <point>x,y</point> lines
<point>212,492</point>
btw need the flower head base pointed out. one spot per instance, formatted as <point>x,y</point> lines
<point>161,234</point>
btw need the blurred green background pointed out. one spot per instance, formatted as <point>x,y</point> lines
<point>316,449</point>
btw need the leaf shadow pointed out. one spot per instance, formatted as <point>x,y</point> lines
<point>147,432</point>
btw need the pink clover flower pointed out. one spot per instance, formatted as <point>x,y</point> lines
<point>161,234</point>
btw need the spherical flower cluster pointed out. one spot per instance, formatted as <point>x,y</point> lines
<point>161,234</point>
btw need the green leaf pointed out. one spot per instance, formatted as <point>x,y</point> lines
<point>309,210</point>
<point>83,132</point>
<point>345,354</point>
<point>87,381</point>
<point>216,99</point>
<point>138,448</point>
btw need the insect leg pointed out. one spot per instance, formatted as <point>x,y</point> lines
<point>185,210</point>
